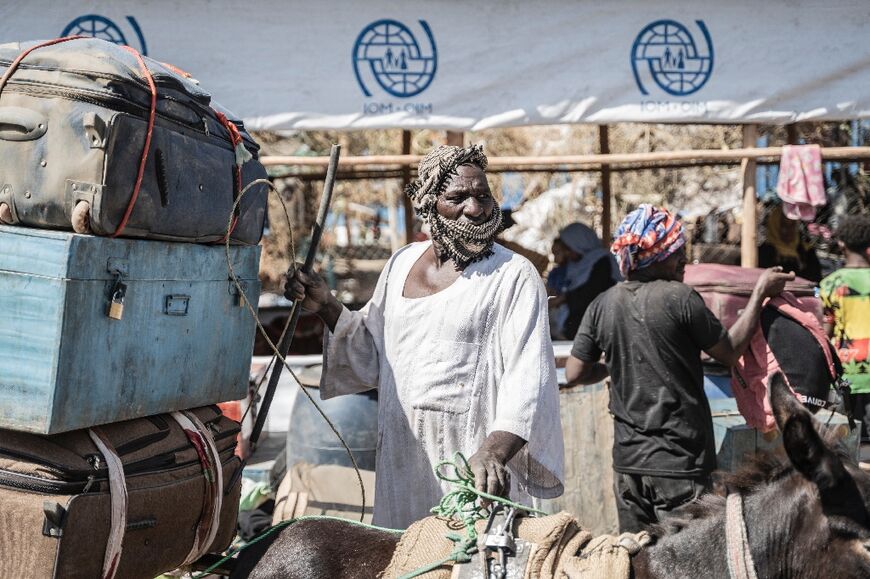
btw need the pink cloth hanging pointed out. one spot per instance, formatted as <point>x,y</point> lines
<point>800,186</point>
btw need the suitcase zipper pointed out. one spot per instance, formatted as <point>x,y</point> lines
<point>35,484</point>
<point>123,105</point>
<point>122,450</point>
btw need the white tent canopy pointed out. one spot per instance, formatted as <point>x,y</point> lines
<point>470,65</point>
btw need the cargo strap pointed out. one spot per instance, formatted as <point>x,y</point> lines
<point>14,66</point>
<point>209,521</point>
<point>153,88</point>
<point>242,156</point>
<point>118,500</point>
<point>151,114</point>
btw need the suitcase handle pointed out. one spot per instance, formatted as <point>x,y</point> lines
<point>18,124</point>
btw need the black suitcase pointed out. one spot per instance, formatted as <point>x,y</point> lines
<point>56,502</point>
<point>73,123</point>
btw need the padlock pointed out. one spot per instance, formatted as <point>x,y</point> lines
<point>116,306</point>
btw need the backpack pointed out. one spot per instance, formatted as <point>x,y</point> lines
<point>789,339</point>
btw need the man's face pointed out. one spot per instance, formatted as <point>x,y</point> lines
<point>467,197</point>
<point>674,267</point>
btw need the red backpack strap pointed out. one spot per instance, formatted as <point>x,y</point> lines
<point>153,111</point>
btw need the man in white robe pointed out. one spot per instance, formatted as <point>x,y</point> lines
<point>456,340</point>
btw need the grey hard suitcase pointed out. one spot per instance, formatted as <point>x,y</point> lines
<point>55,500</point>
<point>73,124</point>
<point>181,338</point>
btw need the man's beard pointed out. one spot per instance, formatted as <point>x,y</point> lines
<point>462,241</point>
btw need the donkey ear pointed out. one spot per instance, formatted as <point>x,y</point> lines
<point>804,446</point>
<point>783,401</point>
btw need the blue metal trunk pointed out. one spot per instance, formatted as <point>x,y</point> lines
<point>183,339</point>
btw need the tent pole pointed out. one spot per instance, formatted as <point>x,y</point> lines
<point>406,179</point>
<point>748,243</point>
<point>606,213</point>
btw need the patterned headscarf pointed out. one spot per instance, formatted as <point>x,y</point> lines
<point>464,242</point>
<point>646,235</point>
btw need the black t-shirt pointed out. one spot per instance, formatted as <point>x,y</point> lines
<point>578,299</point>
<point>652,335</point>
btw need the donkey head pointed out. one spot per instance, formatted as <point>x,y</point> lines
<point>832,532</point>
<point>805,517</point>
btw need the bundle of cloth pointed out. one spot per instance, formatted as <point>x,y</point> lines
<point>559,548</point>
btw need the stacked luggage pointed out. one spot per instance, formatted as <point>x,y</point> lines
<point>121,327</point>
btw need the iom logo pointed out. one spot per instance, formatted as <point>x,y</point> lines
<point>388,55</point>
<point>665,53</point>
<point>98,26</point>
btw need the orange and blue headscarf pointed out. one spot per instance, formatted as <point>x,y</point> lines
<point>646,235</point>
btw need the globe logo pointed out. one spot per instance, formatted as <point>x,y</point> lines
<point>388,52</point>
<point>97,26</point>
<point>666,51</point>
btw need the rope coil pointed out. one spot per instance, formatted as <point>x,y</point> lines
<point>277,354</point>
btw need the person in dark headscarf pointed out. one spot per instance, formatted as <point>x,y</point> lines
<point>589,270</point>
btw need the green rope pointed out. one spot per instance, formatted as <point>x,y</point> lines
<point>272,530</point>
<point>462,503</point>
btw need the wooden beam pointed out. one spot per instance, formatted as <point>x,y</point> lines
<point>567,162</point>
<point>606,214</point>
<point>749,232</point>
<point>406,179</point>
<point>456,138</point>
<point>397,172</point>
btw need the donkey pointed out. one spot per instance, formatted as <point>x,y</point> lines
<point>805,518</point>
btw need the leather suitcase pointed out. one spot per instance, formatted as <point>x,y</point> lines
<point>55,499</point>
<point>74,117</point>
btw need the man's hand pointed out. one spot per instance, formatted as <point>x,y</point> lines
<point>488,463</point>
<point>313,294</point>
<point>307,288</point>
<point>772,282</point>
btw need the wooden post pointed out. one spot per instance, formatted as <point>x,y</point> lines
<point>393,219</point>
<point>606,213</point>
<point>406,179</point>
<point>791,134</point>
<point>456,138</point>
<point>749,232</point>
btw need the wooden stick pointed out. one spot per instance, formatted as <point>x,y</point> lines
<point>287,339</point>
<point>407,208</point>
<point>749,231</point>
<point>604,148</point>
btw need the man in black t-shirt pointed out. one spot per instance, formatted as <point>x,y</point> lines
<point>651,330</point>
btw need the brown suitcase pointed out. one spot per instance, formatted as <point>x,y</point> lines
<point>55,507</point>
<point>73,123</point>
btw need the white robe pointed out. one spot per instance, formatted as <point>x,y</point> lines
<point>450,369</point>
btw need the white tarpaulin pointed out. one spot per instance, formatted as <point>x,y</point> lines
<point>285,64</point>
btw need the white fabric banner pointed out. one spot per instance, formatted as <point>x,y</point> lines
<point>341,64</point>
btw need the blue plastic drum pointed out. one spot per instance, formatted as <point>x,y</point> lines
<point>311,440</point>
